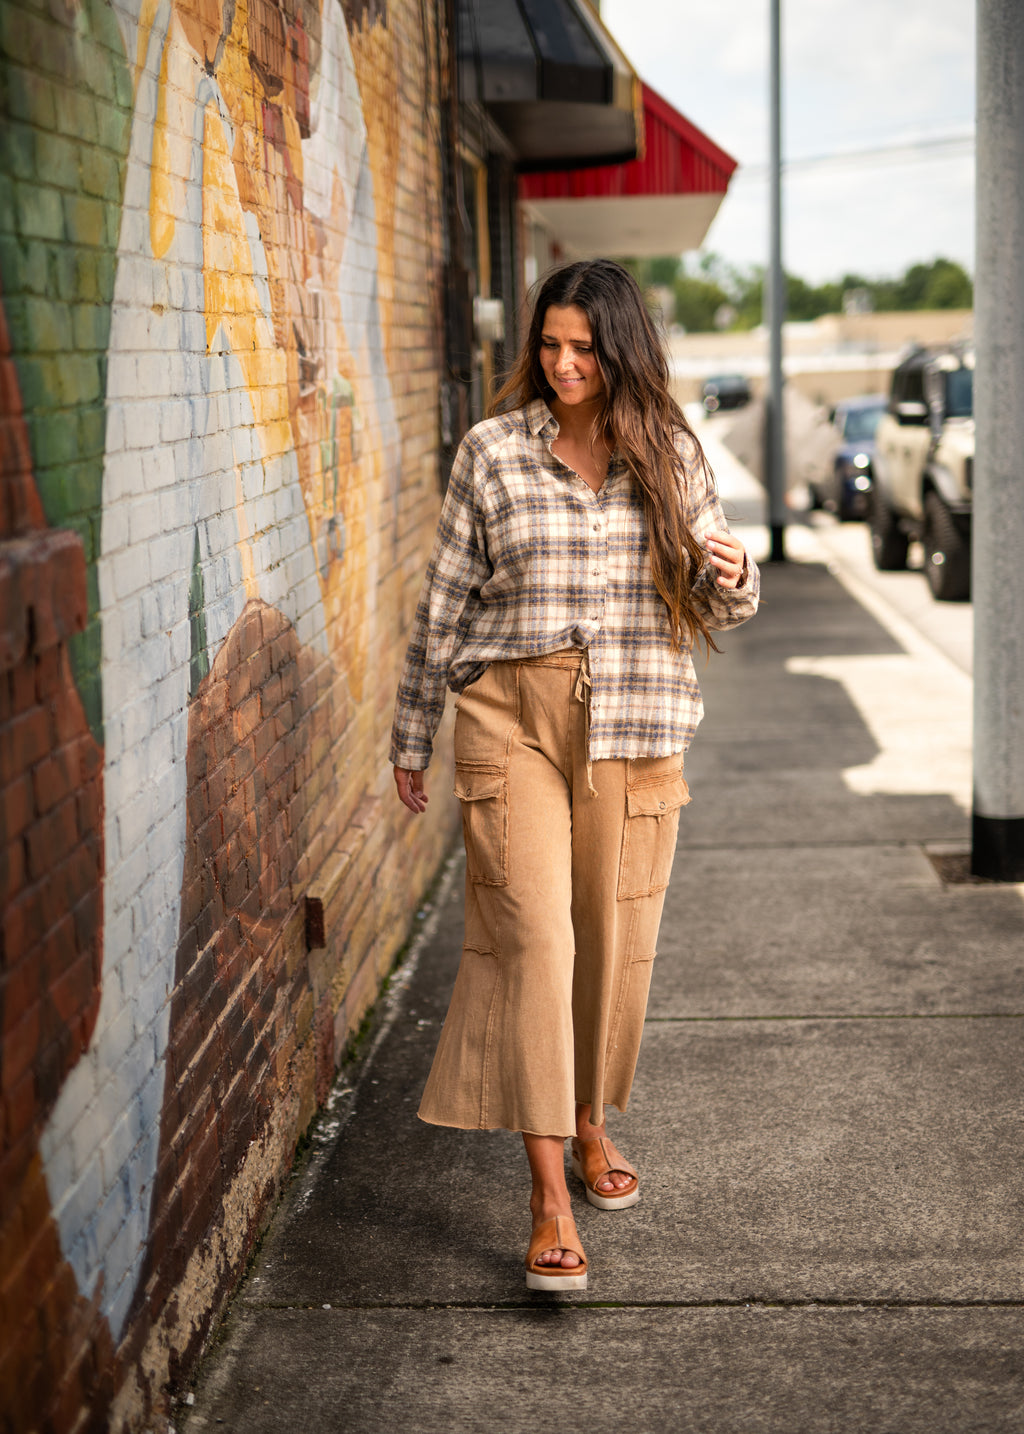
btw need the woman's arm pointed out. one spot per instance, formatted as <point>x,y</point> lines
<point>457,569</point>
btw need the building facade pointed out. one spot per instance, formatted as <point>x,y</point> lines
<point>259,262</point>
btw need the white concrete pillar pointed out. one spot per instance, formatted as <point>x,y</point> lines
<point>998,520</point>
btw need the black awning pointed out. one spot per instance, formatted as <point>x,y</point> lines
<point>551,78</point>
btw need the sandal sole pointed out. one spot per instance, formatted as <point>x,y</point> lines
<point>605,1202</point>
<point>555,1282</point>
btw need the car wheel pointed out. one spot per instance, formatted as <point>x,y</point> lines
<point>888,541</point>
<point>947,552</point>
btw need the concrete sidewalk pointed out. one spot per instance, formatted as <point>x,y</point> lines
<point>827,1117</point>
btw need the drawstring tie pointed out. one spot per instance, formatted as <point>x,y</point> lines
<point>582,694</point>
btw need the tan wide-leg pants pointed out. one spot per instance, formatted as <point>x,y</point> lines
<point>565,882</point>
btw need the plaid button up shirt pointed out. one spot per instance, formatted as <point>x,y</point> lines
<point>527,560</point>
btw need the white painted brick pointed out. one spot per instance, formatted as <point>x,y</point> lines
<point>175,420</point>
<point>87,1135</point>
<point>244,443</point>
<point>114,527</point>
<point>158,470</point>
<point>181,644</point>
<point>114,437</point>
<point>263,513</point>
<point>125,1254</point>
<point>149,622</point>
<point>149,1004</point>
<point>124,880</point>
<point>110,1214</point>
<point>174,507</point>
<point>114,1033</point>
<point>79,1199</point>
<point>134,821</point>
<point>139,429</point>
<point>119,1142</point>
<point>144,518</point>
<point>131,571</point>
<point>167,557</point>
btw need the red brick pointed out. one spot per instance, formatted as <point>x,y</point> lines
<point>20,1045</point>
<point>25,742</point>
<point>22,1109</point>
<point>89,807</point>
<point>73,990</point>
<point>25,922</point>
<point>49,671</point>
<point>88,914</point>
<point>21,987</point>
<point>55,777</point>
<point>13,871</point>
<point>23,686</point>
<point>52,838</point>
<point>16,805</point>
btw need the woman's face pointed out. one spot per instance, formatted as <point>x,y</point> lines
<point>567,356</point>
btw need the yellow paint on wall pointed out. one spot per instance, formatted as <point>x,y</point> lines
<point>161,185</point>
<point>232,297</point>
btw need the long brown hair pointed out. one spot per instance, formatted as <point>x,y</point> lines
<point>638,415</point>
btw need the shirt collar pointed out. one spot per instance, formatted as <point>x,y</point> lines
<point>540,419</point>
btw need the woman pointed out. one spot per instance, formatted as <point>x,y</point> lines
<point>580,555</point>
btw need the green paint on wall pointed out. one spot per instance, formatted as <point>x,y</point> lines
<point>199,657</point>
<point>66,92</point>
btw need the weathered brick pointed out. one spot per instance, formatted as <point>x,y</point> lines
<point>51,838</point>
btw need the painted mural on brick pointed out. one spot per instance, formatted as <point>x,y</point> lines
<point>238,474</point>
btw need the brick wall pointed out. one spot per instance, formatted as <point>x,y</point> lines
<point>220,231</point>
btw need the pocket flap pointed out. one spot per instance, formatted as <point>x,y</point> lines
<point>654,799</point>
<point>475,786</point>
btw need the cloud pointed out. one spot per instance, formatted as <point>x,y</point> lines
<point>855,76</point>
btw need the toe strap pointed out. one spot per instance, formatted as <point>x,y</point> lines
<point>558,1233</point>
<point>598,1158</point>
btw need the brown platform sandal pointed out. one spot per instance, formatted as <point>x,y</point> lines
<point>558,1233</point>
<point>592,1160</point>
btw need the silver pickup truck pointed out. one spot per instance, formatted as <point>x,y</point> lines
<point>923,469</point>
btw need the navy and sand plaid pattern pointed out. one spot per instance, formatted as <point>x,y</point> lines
<point>529,560</point>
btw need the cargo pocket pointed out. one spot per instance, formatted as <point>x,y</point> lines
<point>483,794</point>
<point>649,835</point>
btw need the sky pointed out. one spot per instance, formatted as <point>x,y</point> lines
<point>857,75</point>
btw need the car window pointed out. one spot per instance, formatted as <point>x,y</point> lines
<point>860,423</point>
<point>960,393</point>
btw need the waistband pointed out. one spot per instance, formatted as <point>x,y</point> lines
<point>564,657</point>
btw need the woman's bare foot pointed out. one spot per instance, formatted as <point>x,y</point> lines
<point>615,1180</point>
<point>550,1197</point>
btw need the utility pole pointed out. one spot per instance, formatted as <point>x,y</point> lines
<point>775,307</point>
<point>998,518</point>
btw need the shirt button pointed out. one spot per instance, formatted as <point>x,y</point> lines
<point>597,527</point>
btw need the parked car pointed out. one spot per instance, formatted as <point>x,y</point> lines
<point>725,390</point>
<point>846,487</point>
<point>924,469</point>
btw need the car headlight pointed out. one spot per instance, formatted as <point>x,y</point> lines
<point>861,460</point>
<point>862,482</point>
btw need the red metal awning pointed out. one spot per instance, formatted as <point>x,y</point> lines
<point>661,203</point>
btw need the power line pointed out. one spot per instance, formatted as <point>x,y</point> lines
<point>939,146</point>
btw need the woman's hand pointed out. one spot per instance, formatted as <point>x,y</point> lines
<point>410,789</point>
<point>728,555</point>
